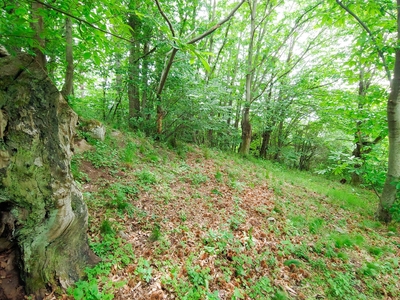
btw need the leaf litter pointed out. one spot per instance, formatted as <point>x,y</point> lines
<point>230,233</point>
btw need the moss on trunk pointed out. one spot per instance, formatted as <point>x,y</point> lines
<point>35,177</point>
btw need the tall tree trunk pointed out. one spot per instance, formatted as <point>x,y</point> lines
<point>389,193</point>
<point>246,132</point>
<point>246,126</point>
<point>69,74</point>
<point>133,87</point>
<point>357,153</point>
<point>279,141</point>
<point>38,193</point>
<point>38,26</point>
<point>145,78</point>
<point>266,136</point>
<point>363,85</point>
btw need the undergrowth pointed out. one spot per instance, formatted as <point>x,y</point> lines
<point>203,224</point>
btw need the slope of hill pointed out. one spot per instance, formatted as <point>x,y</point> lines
<point>194,223</point>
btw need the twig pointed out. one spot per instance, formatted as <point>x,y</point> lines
<point>81,20</point>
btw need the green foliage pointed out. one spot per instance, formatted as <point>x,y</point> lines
<point>315,225</point>
<point>146,178</point>
<point>238,217</point>
<point>218,176</point>
<point>262,288</point>
<point>119,196</point>
<point>144,270</point>
<point>155,233</point>
<point>105,155</point>
<point>198,179</point>
<point>76,172</point>
<point>347,240</point>
<point>395,211</point>
<point>199,276</point>
<point>129,153</point>
<point>113,253</point>
<point>341,286</point>
<point>106,227</point>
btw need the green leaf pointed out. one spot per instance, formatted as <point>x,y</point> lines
<point>87,55</point>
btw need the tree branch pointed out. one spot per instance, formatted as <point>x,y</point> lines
<point>81,20</point>
<point>216,26</point>
<point>145,55</point>
<point>368,31</point>
<point>165,18</point>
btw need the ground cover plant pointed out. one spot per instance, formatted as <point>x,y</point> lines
<point>191,223</point>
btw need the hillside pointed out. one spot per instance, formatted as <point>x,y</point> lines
<point>194,223</point>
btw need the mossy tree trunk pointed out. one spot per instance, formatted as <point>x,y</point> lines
<point>37,189</point>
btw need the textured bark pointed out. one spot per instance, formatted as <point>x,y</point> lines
<point>266,136</point>
<point>133,86</point>
<point>37,187</point>
<point>246,133</point>
<point>38,27</point>
<point>389,192</point>
<point>69,56</point>
<point>246,126</point>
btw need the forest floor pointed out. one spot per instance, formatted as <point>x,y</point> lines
<point>194,223</point>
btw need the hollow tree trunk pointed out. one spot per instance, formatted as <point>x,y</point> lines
<point>38,194</point>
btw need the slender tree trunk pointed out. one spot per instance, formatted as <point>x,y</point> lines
<point>279,142</point>
<point>237,115</point>
<point>38,27</point>
<point>363,85</point>
<point>389,193</point>
<point>357,153</point>
<point>246,132</point>
<point>266,136</point>
<point>246,126</point>
<point>164,75</point>
<point>69,74</point>
<point>133,87</point>
<point>145,72</point>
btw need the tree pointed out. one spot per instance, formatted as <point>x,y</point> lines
<point>68,87</point>
<point>389,193</point>
<point>390,189</point>
<point>185,46</point>
<point>45,213</point>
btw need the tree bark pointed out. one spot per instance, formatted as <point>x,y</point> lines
<point>38,26</point>
<point>37,187</point>
<point>69,56</point>
<point>389,193</point>
<point>133,87</point>
<point>246,126</point>
<point>266,136</point>
<point>246,132</point>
